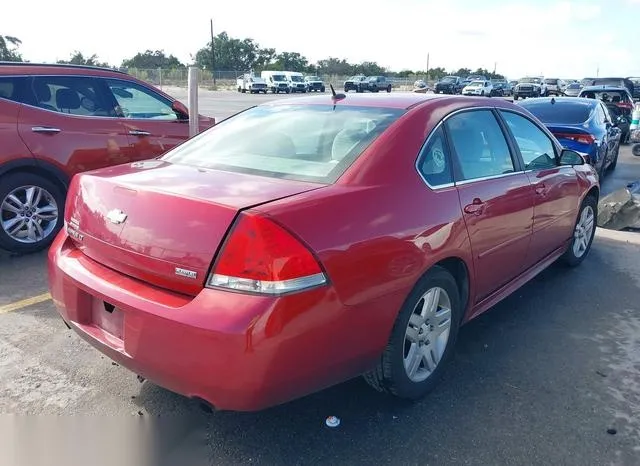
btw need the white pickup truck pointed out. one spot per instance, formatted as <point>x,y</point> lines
<point>251,83</point>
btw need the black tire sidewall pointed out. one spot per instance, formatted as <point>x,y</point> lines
<point>403,386</point>
<point>569,256</point>
<point>14,180</point>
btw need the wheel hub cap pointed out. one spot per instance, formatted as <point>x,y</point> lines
<point>427,334</point>
<point>28,214</point>
<point>583,231</point>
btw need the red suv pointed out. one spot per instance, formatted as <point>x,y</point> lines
<point>58,120</point>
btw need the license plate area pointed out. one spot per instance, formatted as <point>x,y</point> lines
<point>107,317</point>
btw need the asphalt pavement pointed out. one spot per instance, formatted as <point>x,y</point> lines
<point>549,376</point>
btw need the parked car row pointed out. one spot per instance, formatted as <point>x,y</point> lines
<point>362,83</point>
<point>279,81</point>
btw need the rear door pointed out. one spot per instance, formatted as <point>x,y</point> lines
<point>495,195</point>
<point>151,124</point>
<point>555,187</point>
<point>11,91</point>
<point>69,122</point>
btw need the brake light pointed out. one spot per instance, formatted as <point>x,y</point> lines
<point>577,137</point>
<point>261,256</point>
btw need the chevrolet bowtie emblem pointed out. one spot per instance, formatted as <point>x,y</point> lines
<point>116,216</point>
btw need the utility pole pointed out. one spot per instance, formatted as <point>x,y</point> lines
<point>598,71</point>
<point>495,65</point>
<point>213,57</point>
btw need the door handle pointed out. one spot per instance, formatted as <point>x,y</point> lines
<point>45,129</point>
<point>475,208</point>
<point>137,132</point>
<point>541,189</point>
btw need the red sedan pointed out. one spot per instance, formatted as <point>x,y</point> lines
<point>306,241</point>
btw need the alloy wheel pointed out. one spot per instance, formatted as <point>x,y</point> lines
<point>28,214</point>
<point>427,334</point>
<point>583,231</point>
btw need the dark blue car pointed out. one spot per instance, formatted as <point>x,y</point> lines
<point>582,125</point>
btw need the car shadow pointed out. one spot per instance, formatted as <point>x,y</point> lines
<point>528,364</point>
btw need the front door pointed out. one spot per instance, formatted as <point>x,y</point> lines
<point>495,196</point>
<point>151,124</point>
<point>556,187</point>
<point>68,121</point>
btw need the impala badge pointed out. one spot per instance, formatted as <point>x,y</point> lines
<point>186,273</point>
<point>117,216</point>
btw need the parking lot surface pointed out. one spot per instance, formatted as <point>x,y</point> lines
<point>549,376</point>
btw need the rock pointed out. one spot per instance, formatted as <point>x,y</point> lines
<point>620,209</point>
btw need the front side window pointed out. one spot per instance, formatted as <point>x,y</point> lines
<point>536,148</point>
<point>73,95</point>
<point>479,144</point>
<point>314,143</point>
<point>434,162</point>
<point>138,102</point>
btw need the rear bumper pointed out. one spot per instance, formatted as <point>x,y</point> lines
<point>235,351</point>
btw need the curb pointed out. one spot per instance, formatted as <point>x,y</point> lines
<point>629,237</point>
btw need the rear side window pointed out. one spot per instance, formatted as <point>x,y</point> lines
<point>11,88</point>
<point>314,143</point>
<point>73,95</point>
<point>434,162</point>
<point>479,144</point>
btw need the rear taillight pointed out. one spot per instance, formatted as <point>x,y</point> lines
<point>260,256</point>
<point>583,138</point>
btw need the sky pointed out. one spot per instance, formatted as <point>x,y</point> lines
<point>566,39</point>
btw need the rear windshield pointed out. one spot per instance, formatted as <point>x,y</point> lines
<point>314,143</point>
<point>562,112</point>
<point>605,96</point>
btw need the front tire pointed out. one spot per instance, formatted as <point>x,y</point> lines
<point>422,339</point>
<point>31,212</point>
<point>583,233</point>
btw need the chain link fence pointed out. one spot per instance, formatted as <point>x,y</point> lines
<point>227,79</point>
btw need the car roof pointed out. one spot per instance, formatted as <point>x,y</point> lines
<point>399,100</point>
<point>22,68</point>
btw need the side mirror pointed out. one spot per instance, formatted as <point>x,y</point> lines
<point>569,157</point>
<point>181,110</point>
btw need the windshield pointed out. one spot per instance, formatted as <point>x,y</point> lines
<point>551,81</point>
<point>279,77</point>
<point>449,79</point>
<point>314,143</point>
<point>574,86</point>
<point>296,78</point>
<point>530,80</point>
<point>562,112</point>
<point>476,84</point>
<point>312,78</point>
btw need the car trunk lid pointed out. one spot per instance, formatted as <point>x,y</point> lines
<point>163,223</point>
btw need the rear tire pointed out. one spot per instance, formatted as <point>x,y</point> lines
<point>428,336</point>
<point>389,88</point>
<point>51,202</point>
<point>583,233</point>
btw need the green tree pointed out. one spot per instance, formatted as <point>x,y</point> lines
<point>290,61</point>
<point>369,68</point>
<point>438,73</point>
<point>77,58</point>
<point>231,54</point>
<point>334,66</point>
<point>151,59</point>
<point>8,48</point>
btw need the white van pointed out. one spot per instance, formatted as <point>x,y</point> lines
<point>276,81</point>
<point>296,81</point>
